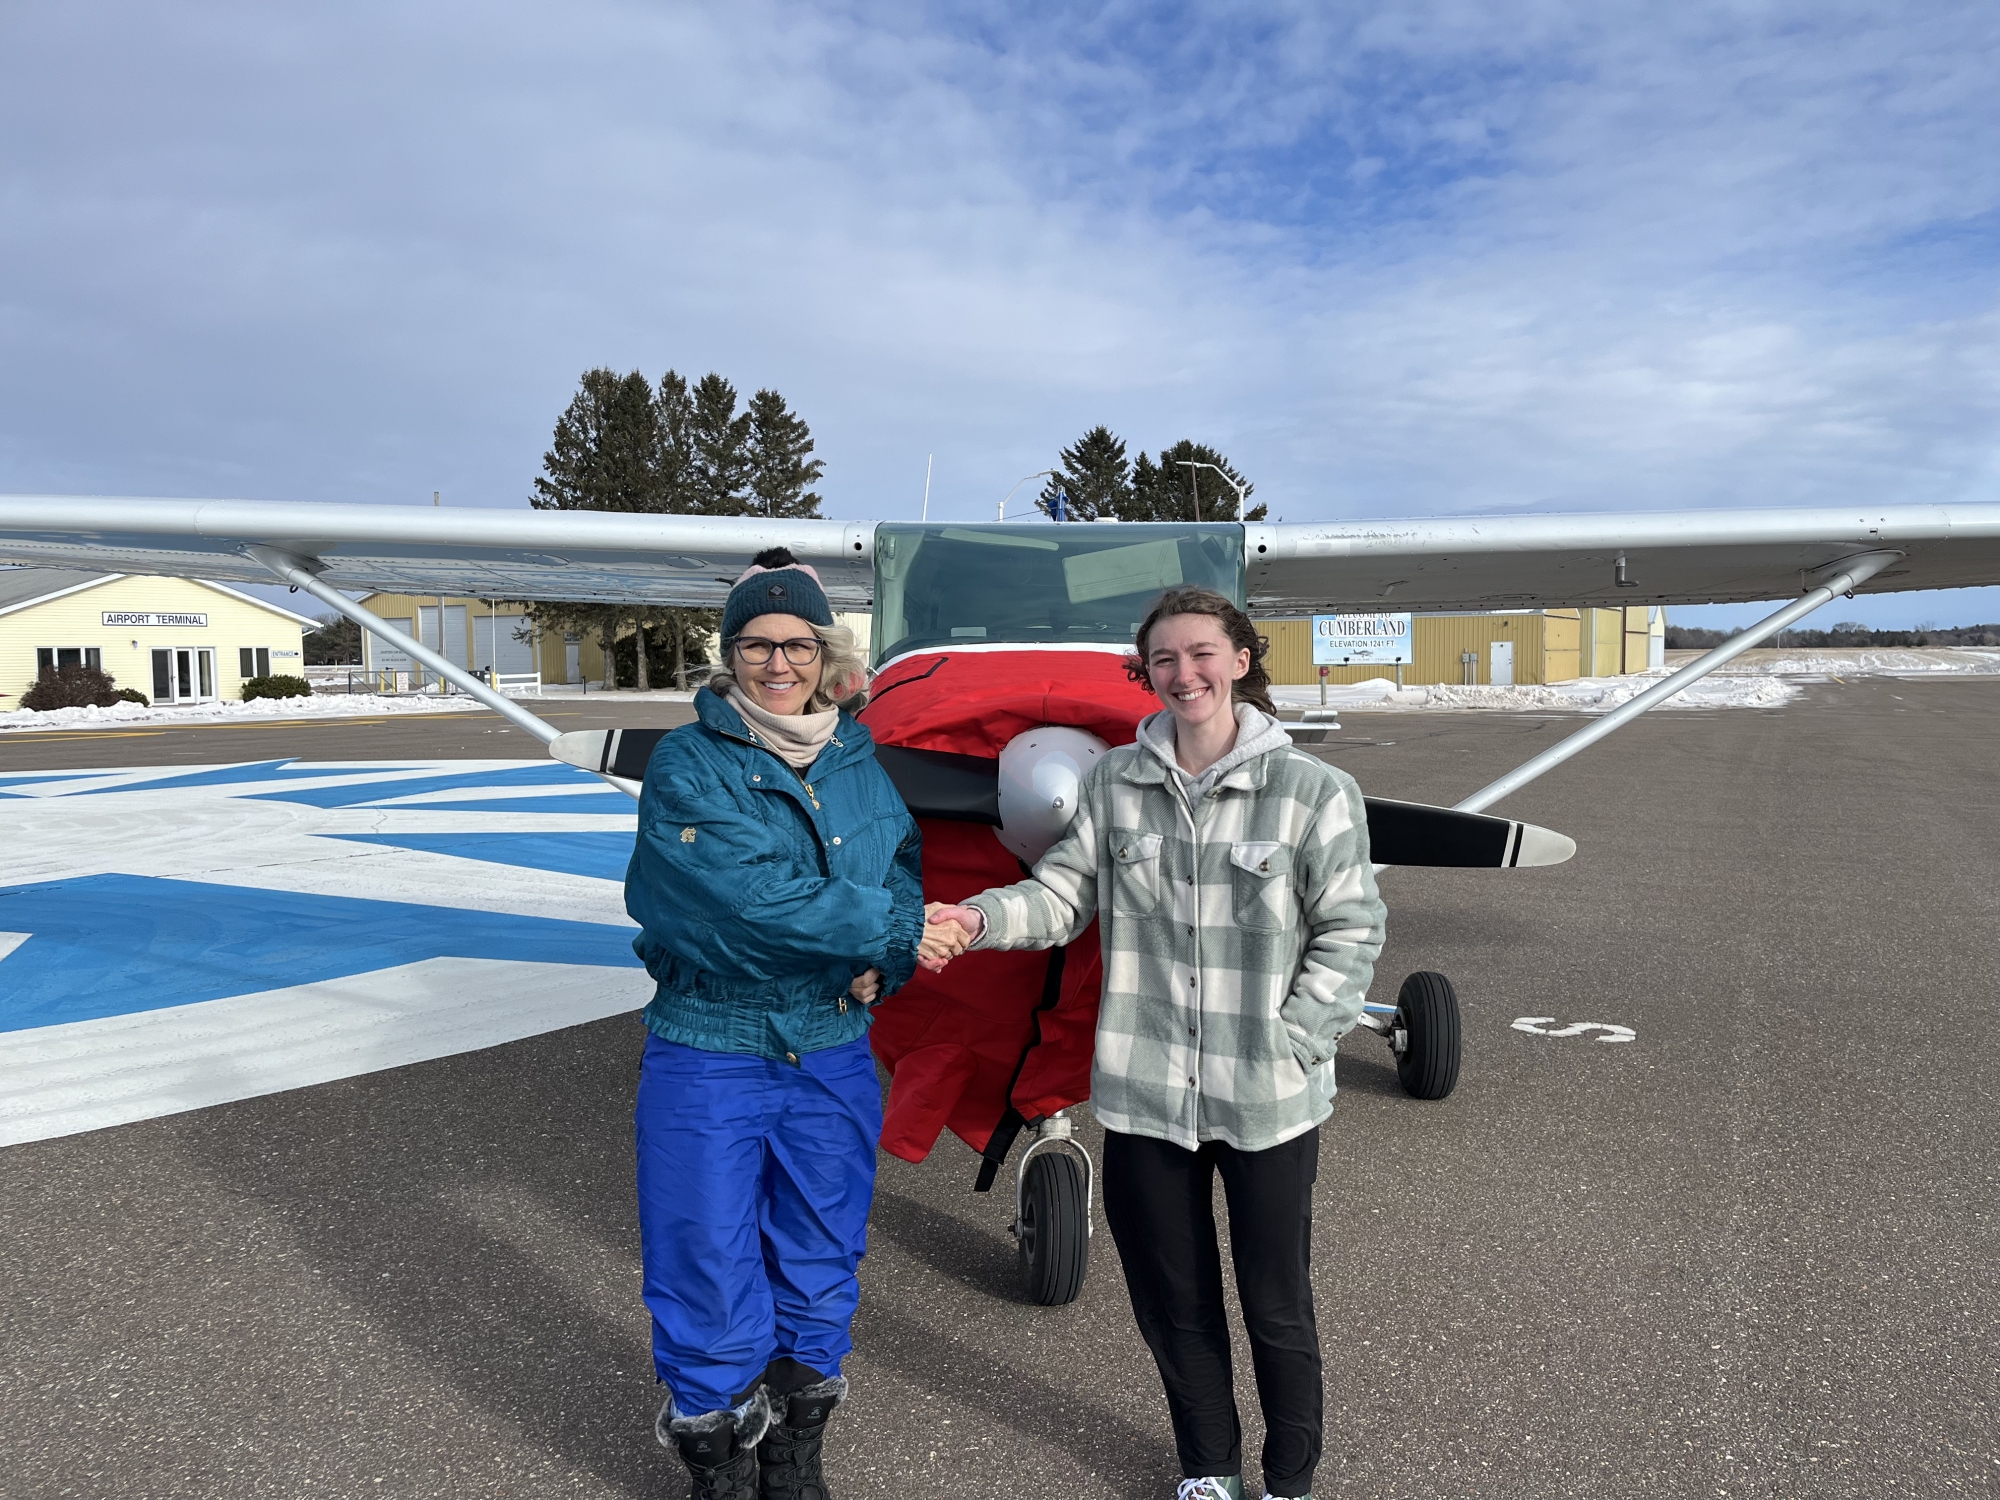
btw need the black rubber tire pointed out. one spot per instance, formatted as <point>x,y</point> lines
<point>1054,1233</point>
<point>1427,1008</point>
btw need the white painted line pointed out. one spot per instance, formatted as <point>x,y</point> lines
<point>87,1075</point>
<point>1539,1026</point>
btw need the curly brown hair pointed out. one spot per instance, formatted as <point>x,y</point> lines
<point>1254,686</point>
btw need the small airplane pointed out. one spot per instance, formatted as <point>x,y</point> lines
<point>999,677</point>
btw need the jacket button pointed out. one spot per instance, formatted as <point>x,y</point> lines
<point>836,838</point>
<point>1190,1031</point>
<point>792,1057</point>
<point>1121,853</point>
<point>1190,880</point>
<point>756,778</point>
<point>1190,1083</point>
<point>1265,867</point>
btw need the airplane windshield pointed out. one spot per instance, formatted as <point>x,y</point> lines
<point>939,585</point>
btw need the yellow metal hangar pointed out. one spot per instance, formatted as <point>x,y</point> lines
<point>1511,648</point>
<point>177,640</point>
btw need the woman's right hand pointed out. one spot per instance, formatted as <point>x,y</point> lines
<point>948,932</point>
<point>867,986</point>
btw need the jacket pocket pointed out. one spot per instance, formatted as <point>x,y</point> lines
<point>1260,877</point>
<point>1135,872</point>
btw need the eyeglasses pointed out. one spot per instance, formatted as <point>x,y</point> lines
<point>800,653</point>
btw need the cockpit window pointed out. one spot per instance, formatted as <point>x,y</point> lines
<point>1038,584</point>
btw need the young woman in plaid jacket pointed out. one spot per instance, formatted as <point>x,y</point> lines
<point>1239,921</point>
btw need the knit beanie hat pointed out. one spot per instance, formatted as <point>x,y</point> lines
<point>775,583</point>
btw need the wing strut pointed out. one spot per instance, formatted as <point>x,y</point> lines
<point>295,571</point>
<point>1853,572</point>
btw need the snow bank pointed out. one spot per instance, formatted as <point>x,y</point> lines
<point>1844,661</point>
<point>328,706</point>
<point>1590,695</point>
<point>1763,678</point>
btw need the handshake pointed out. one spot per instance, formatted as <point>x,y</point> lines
<point>948,932</point>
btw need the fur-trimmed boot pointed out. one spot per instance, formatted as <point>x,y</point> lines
<point>788,1458</point>
<point>718,1447</point>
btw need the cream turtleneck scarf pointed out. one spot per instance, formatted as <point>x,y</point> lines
<point>796,739</point>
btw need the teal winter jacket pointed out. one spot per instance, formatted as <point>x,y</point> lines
<point>762,891</point>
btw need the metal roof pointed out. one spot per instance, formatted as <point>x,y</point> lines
<point>21,587</point>
<point>25,585</point>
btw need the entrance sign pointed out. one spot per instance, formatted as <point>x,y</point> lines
<point>122,617</point>
<point>1361,640</point>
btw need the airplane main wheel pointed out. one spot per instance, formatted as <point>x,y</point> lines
<point>1054,1232</point>
<point>1427,1010</point>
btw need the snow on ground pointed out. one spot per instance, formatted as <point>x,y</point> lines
<point>319,706</point>
<point>1590,695</point>
<point>1857,661</point>
<point>1756,679</point>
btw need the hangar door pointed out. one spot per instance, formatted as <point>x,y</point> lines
<point>453,647</point>
<point>515,656</point>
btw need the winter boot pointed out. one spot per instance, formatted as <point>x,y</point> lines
<point>718,1447</point>
<point>788,1458</point>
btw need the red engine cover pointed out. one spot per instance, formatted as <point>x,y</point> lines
<point>963,1045</point>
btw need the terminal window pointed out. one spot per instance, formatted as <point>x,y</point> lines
<point>254,661</point>
<point>50,660</point>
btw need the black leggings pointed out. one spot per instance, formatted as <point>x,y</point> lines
<point>1158,1202</point>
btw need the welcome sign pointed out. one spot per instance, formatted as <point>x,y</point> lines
<point>122,617</point>
<point>1361,640</point>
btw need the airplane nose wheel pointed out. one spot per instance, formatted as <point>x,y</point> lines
<point>1425,1035</point>
<point>1052,1215</point>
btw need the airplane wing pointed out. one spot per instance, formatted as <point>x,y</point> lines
<point>1417,564</point>
<point>480,554</point>
<point>1668,557</point>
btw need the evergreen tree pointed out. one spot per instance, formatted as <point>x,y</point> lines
<point>1094,475</point>
<point>673,413</point>
<point>781,470</point>
<point>1145,500</point>
<point>605,454</point>
<point>683,633</point>
<point>336,642</point>
<point>1170,490</point>
<point>719,449</point>
<point>683,449</point>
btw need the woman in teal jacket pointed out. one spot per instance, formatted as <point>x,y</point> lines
<point>777,880</point>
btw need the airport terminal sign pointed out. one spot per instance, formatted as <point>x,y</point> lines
<point>124,617</point>
<point>1361,640</point>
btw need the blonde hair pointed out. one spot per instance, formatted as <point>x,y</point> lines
<point>843,672</point>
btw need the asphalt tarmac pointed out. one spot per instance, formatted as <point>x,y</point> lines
<point>1752,1252</point>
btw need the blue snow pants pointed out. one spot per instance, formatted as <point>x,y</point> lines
<point>755,1179</point>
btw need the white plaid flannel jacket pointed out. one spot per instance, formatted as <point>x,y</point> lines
<point>1239,936</point>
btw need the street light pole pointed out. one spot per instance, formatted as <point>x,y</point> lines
<point>1241,489</point>
<point>1043,474</point>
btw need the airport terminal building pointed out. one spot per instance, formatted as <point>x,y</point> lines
<point>177,640</point>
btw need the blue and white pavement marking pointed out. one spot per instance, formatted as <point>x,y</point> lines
<point>171,939</point>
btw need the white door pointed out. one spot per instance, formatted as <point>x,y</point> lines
<point>1500,664</point>
<point>184,674</point>
<point>572,660</point>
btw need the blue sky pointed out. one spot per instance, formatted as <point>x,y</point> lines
<point>1439,258</point>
